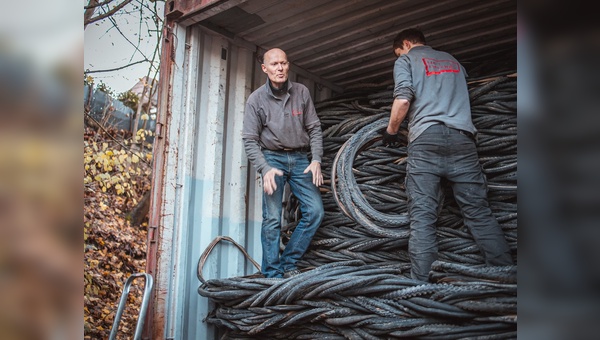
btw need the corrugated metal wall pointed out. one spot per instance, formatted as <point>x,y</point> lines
<point>346,42</point>
<point>208,189</point>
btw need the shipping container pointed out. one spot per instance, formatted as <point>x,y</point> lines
<point>203,185</point>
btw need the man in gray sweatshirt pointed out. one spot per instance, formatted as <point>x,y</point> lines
<point>281,129</point>
<point>430,89</point>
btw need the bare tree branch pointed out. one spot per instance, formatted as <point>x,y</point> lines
<point>141,11</point>
<point>106,14</point>
<point>112,20</point>
<point>116,69</point>
<point>89,12</point>
<point>153,86</point>
<point>95,3</point>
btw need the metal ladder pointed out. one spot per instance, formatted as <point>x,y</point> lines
<point>143,309</point>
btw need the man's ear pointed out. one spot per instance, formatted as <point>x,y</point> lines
<point>263,67</point>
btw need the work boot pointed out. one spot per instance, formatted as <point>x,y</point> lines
<point>291,273</point>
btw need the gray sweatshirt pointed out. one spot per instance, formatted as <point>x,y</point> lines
<point>435,84</point>
<point>275,123</point>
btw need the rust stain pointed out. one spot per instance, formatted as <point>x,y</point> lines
<point>155,323</point>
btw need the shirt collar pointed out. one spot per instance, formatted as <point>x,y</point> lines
<point>272,91</point>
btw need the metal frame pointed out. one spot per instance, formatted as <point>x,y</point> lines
<point>143,308</point>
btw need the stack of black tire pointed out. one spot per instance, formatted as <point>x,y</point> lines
<point>355,282</point>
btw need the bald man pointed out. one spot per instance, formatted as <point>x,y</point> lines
<point>283,140</point>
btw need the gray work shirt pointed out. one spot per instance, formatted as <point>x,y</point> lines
<point>435,84</point>
<point>276,123</point>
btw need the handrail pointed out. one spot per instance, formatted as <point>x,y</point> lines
<point>143,309</point>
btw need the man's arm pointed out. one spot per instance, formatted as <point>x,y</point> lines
<point>256,156</point>
<point>250,136</point>
<point>316,142</point>
<point>316,146</point>
<point>403,95</point>
<point>315,136</point>
<point>317,176</point>
<point>312,124</point>
<point>399,110</point>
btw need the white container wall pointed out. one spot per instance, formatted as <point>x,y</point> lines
<point>208,187</point>
<point>205,177</point>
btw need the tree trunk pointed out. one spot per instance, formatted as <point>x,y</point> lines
<point>137,215</point>
<point>89,12</point>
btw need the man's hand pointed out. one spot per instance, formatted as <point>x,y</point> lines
<point>269,184</point>
<point>390,140</point>
<point>315,168</point>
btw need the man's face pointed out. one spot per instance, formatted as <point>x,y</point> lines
<point>276,66</point>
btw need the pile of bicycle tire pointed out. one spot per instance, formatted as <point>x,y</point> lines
<point>355,281</point>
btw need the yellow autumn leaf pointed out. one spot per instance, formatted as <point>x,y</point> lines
<point>135,159</point>
<point>144,116</point>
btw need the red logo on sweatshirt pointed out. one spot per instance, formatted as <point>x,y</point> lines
<point>433,66</point>
<point>296,112</point>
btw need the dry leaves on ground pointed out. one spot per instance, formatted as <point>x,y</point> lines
<point>113,248</point>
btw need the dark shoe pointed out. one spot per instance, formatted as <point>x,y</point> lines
<point>291,273</point>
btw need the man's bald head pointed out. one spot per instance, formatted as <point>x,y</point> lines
<point>273,53</point>
<point>276,66</point>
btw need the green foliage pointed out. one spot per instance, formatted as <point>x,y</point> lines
<point>105,88</point>
<point>88,80</point>
<point>129,99</point>
<point>114,168</point>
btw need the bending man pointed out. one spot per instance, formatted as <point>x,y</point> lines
<point>430,89</point>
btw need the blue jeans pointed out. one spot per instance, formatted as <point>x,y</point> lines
<point>292,164</point>
<point>442,152</point>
